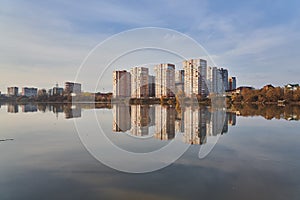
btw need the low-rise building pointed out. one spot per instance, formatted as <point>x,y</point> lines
<point>291,87</point>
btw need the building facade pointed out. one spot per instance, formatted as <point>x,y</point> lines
<point>121,118</point>
<point>29,92</point>
<point>121,84</point>
<point>12,91</point>
<point>195,75</point>
<point>224,75</point>
<point>165,80</point>
<point>139,82</point>
<point>71,87</point>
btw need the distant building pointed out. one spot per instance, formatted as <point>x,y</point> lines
<point>12,91</point>
<point>195,73</point>
<point>165,80</point>
<point>291,87</point>
<point>121,84</point>
<point>29,92</point>
<point>139,82</point>
<point>151,86</point>
<point>232,83</point>
<point>240,89</point>
<point>71,87</point>
<point>179,81</point>
<point>58,91</point>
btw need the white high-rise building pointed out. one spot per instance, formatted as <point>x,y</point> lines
<point>139,82</point>
<point>164,80</point>
<point>195,76</point>
<point>121,84</point>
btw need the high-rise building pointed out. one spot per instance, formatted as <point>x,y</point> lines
<point>12,91</point>
<point>179,81</point>
<point>71,87</point>
<point>151,86</point>
<point>165,80</point>
<point>232,83</point>
<point>215,80</point>
<point>139,82</point>
<point>121,84</point>
<point>29,92</point>
<point>195,74</point>
<point>224,75</point>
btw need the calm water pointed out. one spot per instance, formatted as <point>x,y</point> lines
<point>253,158</point>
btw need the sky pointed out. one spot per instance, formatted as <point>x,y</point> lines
<point>45,42</point>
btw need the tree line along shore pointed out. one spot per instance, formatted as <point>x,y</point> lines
<point>244,95</point>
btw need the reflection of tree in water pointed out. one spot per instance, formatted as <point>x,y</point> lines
<point>268,111</point>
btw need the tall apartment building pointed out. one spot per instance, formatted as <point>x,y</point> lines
<point>165,80</point>
<point>232,83</point>
<point>71,87</point>
<point>29,92</point>
<point>151,86</point>
<point>179,81</point>
<point>195,73</point>
<point>121,84</point>
<point>224,75</point>
<point>139,82</point>
<point>12,91</point>
<point>215,80</point>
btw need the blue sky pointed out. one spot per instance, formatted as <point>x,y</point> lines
<point>44,42</point>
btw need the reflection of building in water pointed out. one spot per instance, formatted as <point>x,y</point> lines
<point>29,108</point>
<point>216,122</point>
<point>164,122</point>
<point>12,108</point>
<point>231,118</point>
<point>179,121</point>
<point>121,118</point>
<point>195,125</point>
<point>139,120</point>
<point>72,112</point>
<point>152,115</point>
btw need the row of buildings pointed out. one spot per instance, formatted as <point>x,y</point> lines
<point>70,87</point>
<point>196,78</point>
